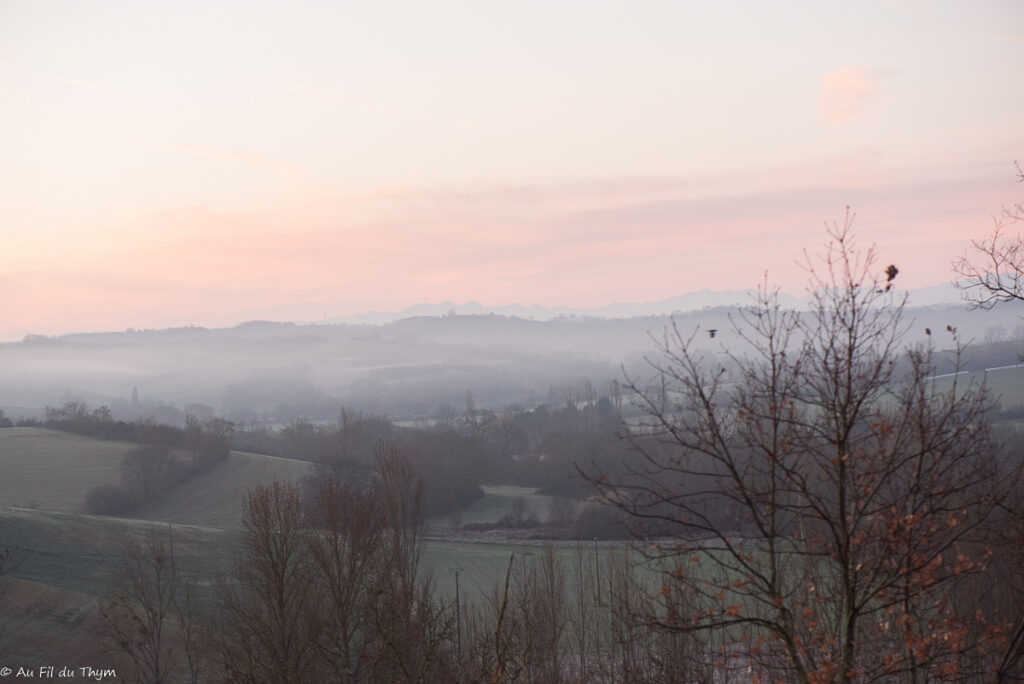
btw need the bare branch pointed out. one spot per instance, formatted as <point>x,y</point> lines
<point>995,272</point>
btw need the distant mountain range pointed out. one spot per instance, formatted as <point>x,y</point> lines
<point>944,293</point>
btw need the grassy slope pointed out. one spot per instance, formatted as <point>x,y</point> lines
<point>61,562</point>
<point>55,470</point>
<point>60,566</point>
<point>482,565</point>
<point>215,498</point>
<point>81,552</point>
<point>42,624</point>
<point>496,502</point>
<point>1006,384</point>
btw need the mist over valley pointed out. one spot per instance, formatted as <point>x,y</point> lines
<point>422,361</point>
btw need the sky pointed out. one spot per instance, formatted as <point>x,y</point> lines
<point>208,163</point>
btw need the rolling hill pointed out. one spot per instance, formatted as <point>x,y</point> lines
<point>214,499</point>
<point>54,471</point>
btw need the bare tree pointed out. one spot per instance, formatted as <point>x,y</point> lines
<point>381,622</point>
<point>208,441</point>
<point>500,644</point>
<point>585,624</point>
<point>346,552</point>
<point>269,616</point>
<point>193,629</point>
<point>550,622</point>
<point>146,470</point>
<point>333,591</point>
<point>995,273</point>
<point>407,629</point>
<point>540,604</point>
<point>816,510</point>
<point>151,616</point>
<point>503,433</point>
<point>999,591</point>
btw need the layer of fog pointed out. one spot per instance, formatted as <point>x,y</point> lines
<point>410,369</point>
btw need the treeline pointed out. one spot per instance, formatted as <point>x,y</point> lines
<point>541,447</point>
<point>328,586</point>
<point>79,418</point>
<point>168,457</point>
<point>455,454</point>
<point>164,456</point>
<point>452,465</point>
<point>460,451</point>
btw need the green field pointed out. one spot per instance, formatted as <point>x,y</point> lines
<point>215,498</point>
<point>499,501</point>
<point>61,563</point>
<point>53,470</point>
<point>46,475</point>
<point>1005,384</point>
<point>482,565</point>
<point>81,554</point>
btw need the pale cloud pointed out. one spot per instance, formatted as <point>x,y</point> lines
<point>374,106</point>
<point>843,93</point>
<point>330,250</point>
<point>85,84</point>
<point>290,173</point>
<point>54,78</point>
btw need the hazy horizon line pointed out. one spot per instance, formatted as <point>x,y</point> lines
<point>533,311</point>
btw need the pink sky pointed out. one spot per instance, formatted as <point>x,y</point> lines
<point>207,165</point>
